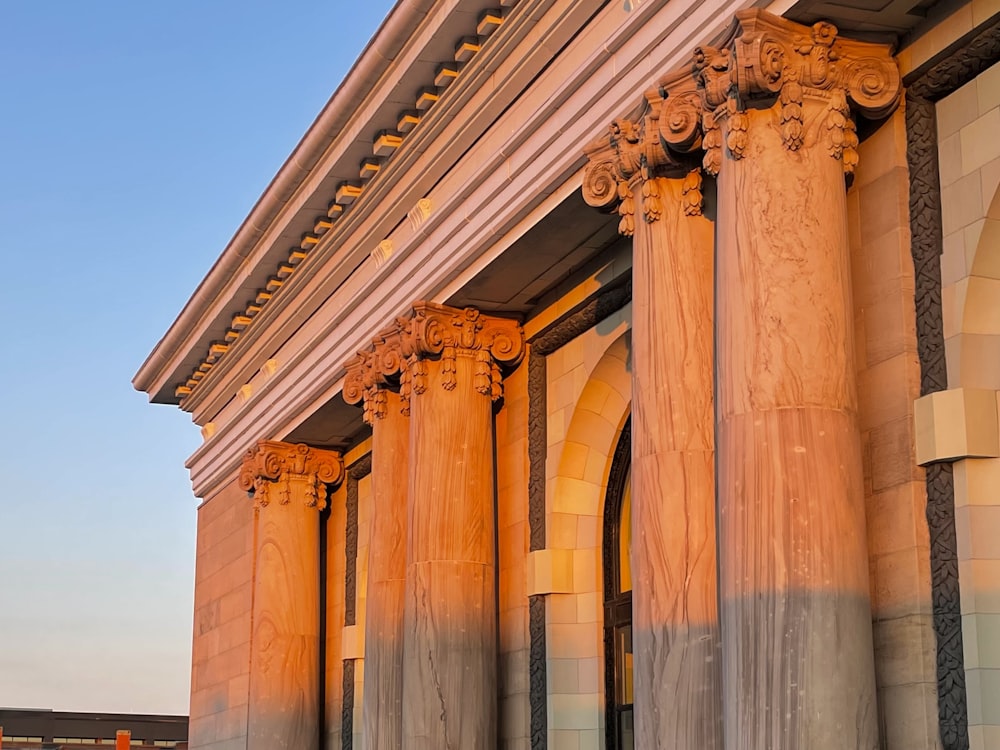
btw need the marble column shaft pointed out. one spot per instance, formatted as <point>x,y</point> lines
<point>796,619</point>
<point>450,641</point>
<point>289,484</point>
<point>382,706</point>
<point>675,627</point>
<point>451,380</point>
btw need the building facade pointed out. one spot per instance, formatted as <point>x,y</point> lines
<point>611,375</point>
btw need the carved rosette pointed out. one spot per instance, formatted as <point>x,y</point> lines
<point>371,371</point>
<point>766,61</point>
<point>269,468</point>
<point>437,332</point>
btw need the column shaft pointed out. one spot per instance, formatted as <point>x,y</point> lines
<point>450,641</point>
<point>383,696</point>
<point>289,484</point>
<point>675,618</point>
<point>796,619</point>
<point>284,651</point>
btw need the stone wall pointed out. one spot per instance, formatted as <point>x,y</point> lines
<point>895,493</point>
<point>220,675</point>
<point>969,157</point>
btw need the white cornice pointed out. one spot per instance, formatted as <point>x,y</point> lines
<point>490,81</point>
<point>395,47</point>
<point>531,150</point>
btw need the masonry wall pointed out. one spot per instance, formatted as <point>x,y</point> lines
<point>888,371</point>
<point>512,551</point>
<point>220,679</point>
<point>969,158</point>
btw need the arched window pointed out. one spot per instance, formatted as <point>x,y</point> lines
<point>618,596</point>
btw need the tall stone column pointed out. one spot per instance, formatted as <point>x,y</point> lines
<point>289,485</point>
<point>798,668</point>
<point>372,378</point>
<point>451,381</point>
<point>675,627</point>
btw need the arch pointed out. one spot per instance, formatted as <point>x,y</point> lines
<point>592,380</point>
<point>974,348</point>
<point>585,454</point>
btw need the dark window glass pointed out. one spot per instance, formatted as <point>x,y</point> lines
<point>618,597</point>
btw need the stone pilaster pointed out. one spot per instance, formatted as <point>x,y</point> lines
<point>372,378</point>
<point>450,382</point>
<point>289,485</point>
<point>675,628</point>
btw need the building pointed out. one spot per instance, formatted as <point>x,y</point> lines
<point>610,375</point>
<point>31,729</point>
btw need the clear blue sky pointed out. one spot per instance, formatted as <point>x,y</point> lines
<point>134,138</point>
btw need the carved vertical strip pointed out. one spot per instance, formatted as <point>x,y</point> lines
<point>926,241</point>
<point>537,677</point>
<point>351,554</point>
<point>537,412</point>
<point>347,707</point>
<point>355,473</point>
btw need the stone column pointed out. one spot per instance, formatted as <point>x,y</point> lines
<point>675,628</point>
<point>289,484</point>
<point>798,669</point>
<point>370,378</point>
<point>451,381</point>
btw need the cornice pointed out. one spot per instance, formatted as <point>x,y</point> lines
<point>532,149</point>
<point>490,81</point>
<point>399,42</point>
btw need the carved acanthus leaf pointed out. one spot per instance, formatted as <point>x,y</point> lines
<point>272,465</point>
<point>371,371</point>
<point>691,193</point>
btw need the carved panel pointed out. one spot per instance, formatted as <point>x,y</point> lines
<point>357,471</point>
<point>347,708</point>
<point>537,677</point>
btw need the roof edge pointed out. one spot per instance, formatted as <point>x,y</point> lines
<point>374,60</point>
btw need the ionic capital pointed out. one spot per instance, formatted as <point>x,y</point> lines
<point>274,470</point>
<point>373,370</point>
<point>768,61</point>
<point>437,332</point>
<point>764,61</point>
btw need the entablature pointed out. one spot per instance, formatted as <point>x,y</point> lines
<point>526,158</point>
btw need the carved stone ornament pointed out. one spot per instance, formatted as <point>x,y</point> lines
<point>398,356</point>
<point>445,333</point>
<point>269,468</point>
<point>372,371</point>
<point>763,61</point>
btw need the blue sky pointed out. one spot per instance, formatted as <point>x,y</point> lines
<point>134,138</point>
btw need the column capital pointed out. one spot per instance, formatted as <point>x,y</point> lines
<point>373,370</point>
<point>762,61</point>
<point>271,462</point>
<point>438,332</point>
